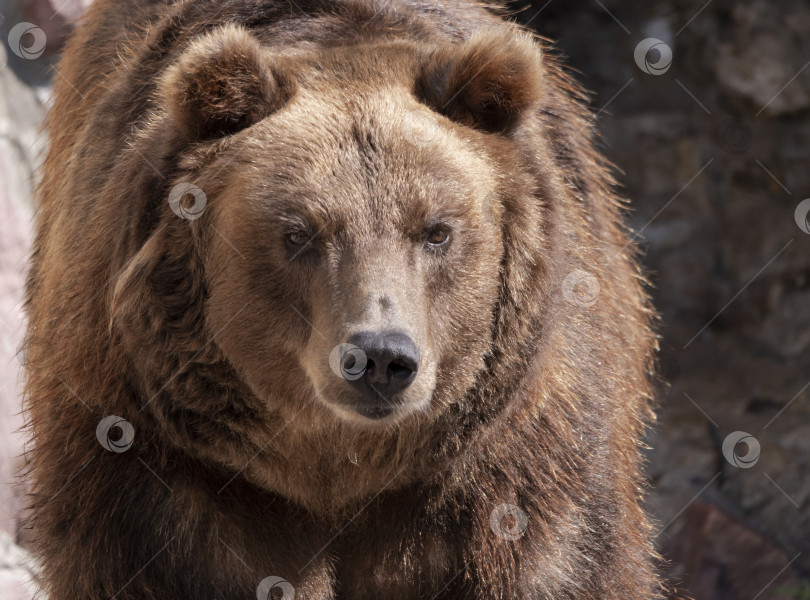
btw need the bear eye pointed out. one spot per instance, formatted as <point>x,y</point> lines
<point>297,238</point>
<point>437,236</point>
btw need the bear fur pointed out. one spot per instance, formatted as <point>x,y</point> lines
<point>232,187</point>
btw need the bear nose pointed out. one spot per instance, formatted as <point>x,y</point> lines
<point>392,362</point>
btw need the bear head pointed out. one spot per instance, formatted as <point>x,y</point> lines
<point>344,244</point>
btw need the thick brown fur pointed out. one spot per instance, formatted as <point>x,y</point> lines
<point>358,123</point>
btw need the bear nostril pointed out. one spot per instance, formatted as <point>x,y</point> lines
<point>370,371</point>
<point>392,362</point>
<point>399,369</point>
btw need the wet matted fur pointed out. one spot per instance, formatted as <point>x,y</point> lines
<point>360,125</point>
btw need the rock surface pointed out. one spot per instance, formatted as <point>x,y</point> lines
<point>20,116</point>
<point>17,576</point>
<point>21,112</point>
<point>717,556</point>
<point>715,157</point>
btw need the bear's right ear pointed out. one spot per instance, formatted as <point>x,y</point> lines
<point>223,82</point>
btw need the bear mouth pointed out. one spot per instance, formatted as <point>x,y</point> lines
<point>375,413</point>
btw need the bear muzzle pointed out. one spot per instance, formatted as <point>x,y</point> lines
<point>380,365</point>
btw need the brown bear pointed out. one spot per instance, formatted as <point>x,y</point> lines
<point>331,300</point>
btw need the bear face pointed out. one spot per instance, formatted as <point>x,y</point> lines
<point>355,240</point>
<point>351,206</point>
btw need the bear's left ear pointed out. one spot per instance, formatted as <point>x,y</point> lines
<point>486,82</point>
<point>223,82</point>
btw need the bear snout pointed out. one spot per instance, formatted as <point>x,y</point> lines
<point>383,364</point>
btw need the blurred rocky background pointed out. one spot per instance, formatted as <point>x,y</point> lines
<point>709,122</point>
<point>704,106</point>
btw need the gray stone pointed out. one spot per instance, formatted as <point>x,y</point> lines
<point>758,64</point>
<point>20,116</point>
<point>17,573</point>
